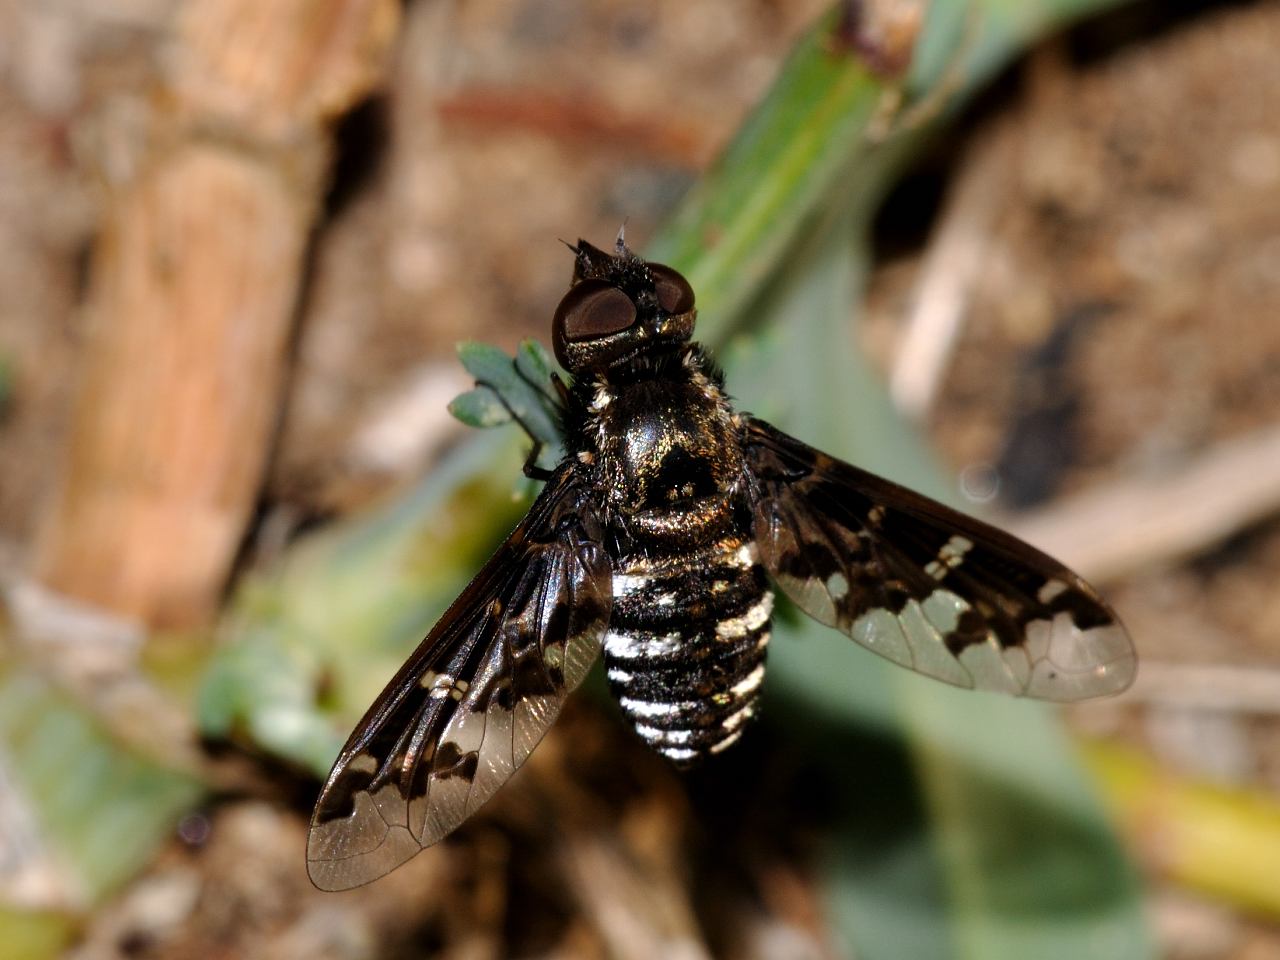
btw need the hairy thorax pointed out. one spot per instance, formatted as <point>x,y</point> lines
<point>669,453</point>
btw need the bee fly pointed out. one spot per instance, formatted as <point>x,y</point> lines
<point>659,540</point>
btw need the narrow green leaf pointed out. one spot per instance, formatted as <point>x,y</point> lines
<point>1007,853</point>
<point>737,223</point>
<point>321,633</point>
<point>801,165</point>
<point>96,809</point>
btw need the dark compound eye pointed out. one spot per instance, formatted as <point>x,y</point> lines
<point>673,290</point>
<point>593,308</point>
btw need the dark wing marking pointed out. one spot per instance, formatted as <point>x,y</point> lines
<point>473,700</point>
<point>925,586</point>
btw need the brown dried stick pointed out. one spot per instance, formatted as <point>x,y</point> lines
<point>194,285</point>
<point>1116,530</point>
<point>952,267</point>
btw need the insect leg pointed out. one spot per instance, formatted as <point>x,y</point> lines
<point>561,389</point>
<point>531,468</point>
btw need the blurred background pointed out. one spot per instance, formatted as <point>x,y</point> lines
<point>1024,257</point>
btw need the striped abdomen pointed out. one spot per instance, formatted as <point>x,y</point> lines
<point>686,645</point>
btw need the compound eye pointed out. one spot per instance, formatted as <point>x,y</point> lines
<point>673,290</point>
<point>593,309</point>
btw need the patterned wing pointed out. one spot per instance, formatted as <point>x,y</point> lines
<point>925,586</point>
<point>474,699</point>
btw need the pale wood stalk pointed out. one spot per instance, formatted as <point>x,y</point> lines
<point>195,283</point>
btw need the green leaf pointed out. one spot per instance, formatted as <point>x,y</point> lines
<point>739,221</point>
<point>521,384</point>
<point>93,809</point>
<point>981,839</point>
<point>480,407</point>
<point>321,633</point>
<point>487,363</point>
<point>985,840</point>
<point>264,685</point>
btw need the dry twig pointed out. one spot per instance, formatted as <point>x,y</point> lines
<point>948,274</point>
<point>194,286</point>
<point>1112,531</point>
